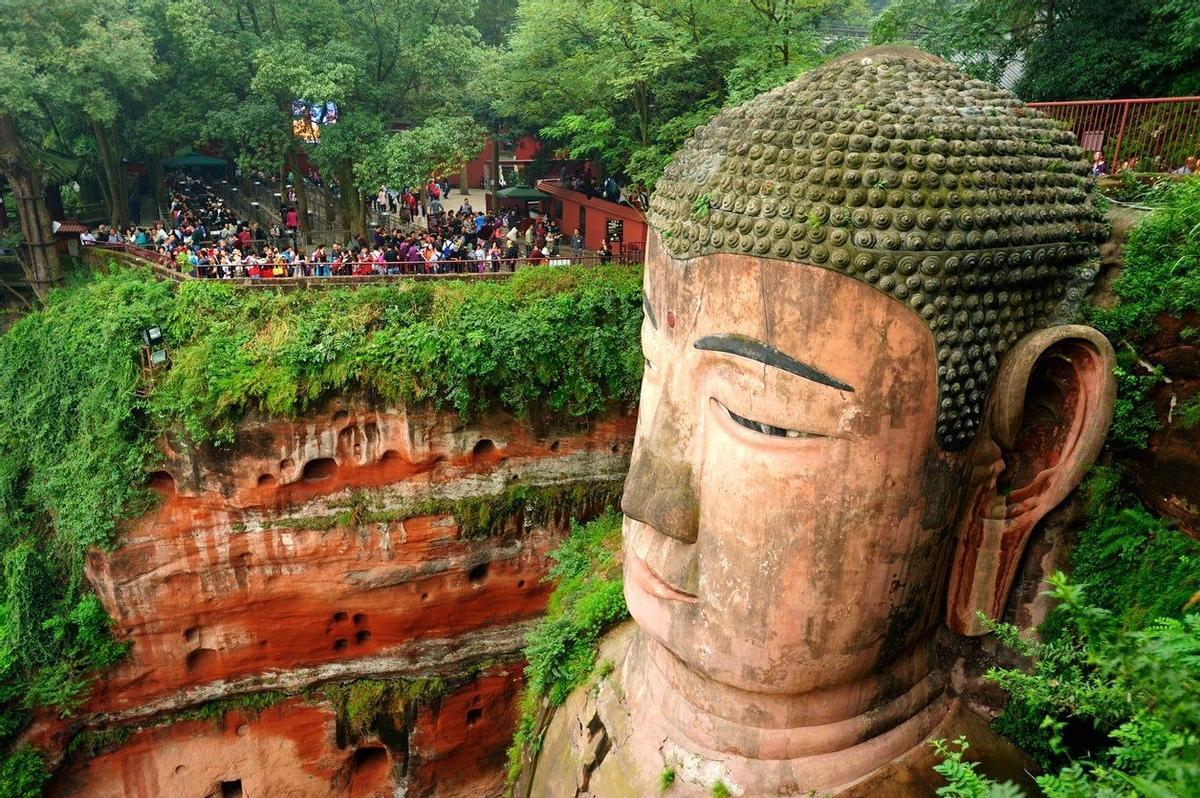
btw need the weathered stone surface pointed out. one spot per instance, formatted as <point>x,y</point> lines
<point>892,167</point>
<point>356,542</point>
<point>1167,474</point>
<point>455,749</point>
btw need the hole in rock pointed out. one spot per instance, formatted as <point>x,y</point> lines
<point>161,483</point>
<point>201,659</point>
<point>340,644</point>
<point>371,431</point>
<point>371,760</point>
<point>616,447</point>
<point>318,469</point>
<point>338,617</point>
<point>286,464</point>
<point>485,446</point>
<point>266,481</point>
<point>362,636</point>
<point>191,634</point>
<point>473,715</point>
<point>521,583</point>
<point>477,574</point>
<point>359,619</point>
<point>389,455</point>
<point>243,730</point>
<point>180,769</point>
<point>341,415</point>
<point>424,597</point>
<point>231,789</point>
<point>554,446</point>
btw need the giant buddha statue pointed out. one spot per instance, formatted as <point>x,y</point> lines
<point>861,394</point>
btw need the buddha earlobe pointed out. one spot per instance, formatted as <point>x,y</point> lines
<point>1050,408</point>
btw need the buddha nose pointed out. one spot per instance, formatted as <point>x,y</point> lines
<point>659,489</point>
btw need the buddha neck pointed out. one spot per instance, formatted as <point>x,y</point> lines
<point>846,730</point>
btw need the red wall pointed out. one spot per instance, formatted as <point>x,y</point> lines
<point>597,213</point>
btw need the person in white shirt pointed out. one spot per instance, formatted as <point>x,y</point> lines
<point>86,238</point>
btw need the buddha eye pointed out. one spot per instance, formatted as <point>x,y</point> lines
<point>767,429</point>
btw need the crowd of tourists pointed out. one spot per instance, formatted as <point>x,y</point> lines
<point>203,237</point>
<point>1100,165</point>
<point>584,181</point>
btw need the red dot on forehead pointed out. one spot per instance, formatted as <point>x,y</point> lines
<point>670,318</point>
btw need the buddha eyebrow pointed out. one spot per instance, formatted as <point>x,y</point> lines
<point>649,311</point>
<point>743,346</point>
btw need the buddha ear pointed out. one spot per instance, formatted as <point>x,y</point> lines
<point>1049,410</point>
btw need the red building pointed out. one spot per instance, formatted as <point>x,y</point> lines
<point>596,218</point>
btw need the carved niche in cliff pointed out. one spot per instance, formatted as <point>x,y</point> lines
<point>861,394</point>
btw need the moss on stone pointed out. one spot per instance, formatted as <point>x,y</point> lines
<point>477,516</point>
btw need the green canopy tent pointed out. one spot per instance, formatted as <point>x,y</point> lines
<point>194,161</point>
<point>523,196</point>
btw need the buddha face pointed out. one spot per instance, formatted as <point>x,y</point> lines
<point>789,514</point>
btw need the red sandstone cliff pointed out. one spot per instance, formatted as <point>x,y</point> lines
<point>355,543</point>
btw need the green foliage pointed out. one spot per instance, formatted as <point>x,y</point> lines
<point>545,343</point>
<point>961,779</point>
<point>1134,564</point>
<point>72,456</point>
<point>23,773</point>
<point>587,600</point>
<point>632,80</point>
<point>81,420</point>
<point>1120,705</point>
<point>1133,411</point>
<point>1070,49</point>
<point>1111,706</point>
<point>1161,276</point>
<point>1162,265</point>
<point>721,790</point>
<point>666,779</point>
<point>363,704</point>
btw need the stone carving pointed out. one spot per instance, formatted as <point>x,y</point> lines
<point>828,472</point>
<point>942,191</point>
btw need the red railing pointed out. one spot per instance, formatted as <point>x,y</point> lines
<point>1152,135</point>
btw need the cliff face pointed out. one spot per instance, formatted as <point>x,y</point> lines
<point>358,543</point>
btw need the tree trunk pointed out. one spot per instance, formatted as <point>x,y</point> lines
<point>41,267</point>
<point>54,201</point>
<point>301,197</point>
<point>113,182</point>
<point>464,182</point>
<point>496,173</point>
<point>157,184</point>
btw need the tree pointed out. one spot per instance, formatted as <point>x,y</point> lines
<point>1070,49</point>
<point>626,82</point>
<point>439,146</point>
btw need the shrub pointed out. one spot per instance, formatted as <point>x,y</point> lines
<point>587,599</point>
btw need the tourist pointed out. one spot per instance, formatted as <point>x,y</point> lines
<point>577,244</point>
<point>1099,166</point>
<point>1189,166</point>
<point>86,238</point>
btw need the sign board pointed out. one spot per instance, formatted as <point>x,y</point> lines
<point>614,230</point>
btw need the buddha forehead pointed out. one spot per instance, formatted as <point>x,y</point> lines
<point>890,167</point>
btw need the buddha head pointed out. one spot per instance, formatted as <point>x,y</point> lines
<point>862,390</point>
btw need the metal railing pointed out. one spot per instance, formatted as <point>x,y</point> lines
<point>1150,135</point>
